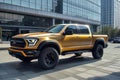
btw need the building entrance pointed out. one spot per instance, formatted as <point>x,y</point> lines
<point>8,33</point>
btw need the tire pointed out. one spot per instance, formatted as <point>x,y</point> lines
<point>97,52</point>
<point>114,42</point>
<point>48,58</point>
<point>26,60</point>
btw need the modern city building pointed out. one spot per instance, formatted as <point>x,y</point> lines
<point>23,16</point>
<point>110,13</point>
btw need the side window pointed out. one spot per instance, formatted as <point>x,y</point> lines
<point>72,28</point>
<point>83,30</point>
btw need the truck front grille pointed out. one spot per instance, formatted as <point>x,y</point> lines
<point>18,42</point>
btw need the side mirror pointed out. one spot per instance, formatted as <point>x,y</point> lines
<point>70,32</point>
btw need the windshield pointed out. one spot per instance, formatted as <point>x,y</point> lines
<point>55,29</point>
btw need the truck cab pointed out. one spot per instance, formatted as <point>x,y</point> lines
<point>58,40</point>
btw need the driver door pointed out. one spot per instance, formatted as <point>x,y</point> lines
<point>69,42</point>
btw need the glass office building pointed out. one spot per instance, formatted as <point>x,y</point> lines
<point>110,13</point>
<point>23,16</point>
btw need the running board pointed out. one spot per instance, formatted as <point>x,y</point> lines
<point>73,52</point>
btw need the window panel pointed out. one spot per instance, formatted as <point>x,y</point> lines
<point>8,1</point>
<point>39,4</point>
<point>44,5</point>
<point>25,3</point>
<point>32,5</point>
<point>16,2</point>
<point>83,30</point>
<point>1,0</point>
<point>72,28</point>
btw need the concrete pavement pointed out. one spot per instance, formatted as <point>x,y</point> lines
<point>4,45</point>
<point>69,67</point>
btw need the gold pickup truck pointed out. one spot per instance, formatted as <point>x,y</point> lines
<point>58,40</point>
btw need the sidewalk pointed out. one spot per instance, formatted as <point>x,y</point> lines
<point>4,45</point>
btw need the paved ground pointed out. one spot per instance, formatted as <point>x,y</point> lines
<point>69,68</point>
<point>4,45</point>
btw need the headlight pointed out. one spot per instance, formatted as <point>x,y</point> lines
<point>31,42</point>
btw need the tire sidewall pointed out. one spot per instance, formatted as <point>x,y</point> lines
<point>42,61</point>
<point>98,51</point>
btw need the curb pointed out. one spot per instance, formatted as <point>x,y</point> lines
<point>6,48</point>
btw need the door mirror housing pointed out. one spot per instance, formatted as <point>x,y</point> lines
<point>70,32</point>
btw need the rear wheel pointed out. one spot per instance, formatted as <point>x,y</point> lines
<point>97,52</point>
<point>48,58</point>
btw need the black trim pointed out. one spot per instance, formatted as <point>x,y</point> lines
<point>34,54</point>
<point>15,54</point>
<point>100,41</point>
<point>51,43</point>
<point>75,51</point>
<point>18,42</point>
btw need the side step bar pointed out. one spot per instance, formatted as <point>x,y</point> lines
<point>73,52</point>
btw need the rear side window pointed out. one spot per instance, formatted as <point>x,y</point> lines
<point>83,30</point>
<point>72,28</point>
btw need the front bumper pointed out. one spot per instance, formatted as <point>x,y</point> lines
<point>23,53</point>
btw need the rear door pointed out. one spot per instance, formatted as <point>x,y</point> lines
<point>84,37</point>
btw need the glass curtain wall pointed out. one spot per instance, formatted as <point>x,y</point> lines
<point>88,9</point>
<point>24,20</point>
<point>45,5</point>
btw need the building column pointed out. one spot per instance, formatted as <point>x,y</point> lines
<point>63,21</point>
<point>70,22</point>
<point>0,34</point>
<point>53,20</point>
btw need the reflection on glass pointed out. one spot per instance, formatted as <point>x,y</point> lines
<point>83,8</point>
<point>1,0</point>
<point>25,3</point>
<point>24,20</point>
<point>8,1</point>
<point>87,9</point>
<point>16,2</point>
<point>39,4</point>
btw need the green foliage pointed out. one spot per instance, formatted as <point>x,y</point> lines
<point>110,31</point>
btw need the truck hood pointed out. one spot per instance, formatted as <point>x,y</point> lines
<point>37,34</point>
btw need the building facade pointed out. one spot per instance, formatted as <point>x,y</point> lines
<point>23,16</point>
<point>110,13</point>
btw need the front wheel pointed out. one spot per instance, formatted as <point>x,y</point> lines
<point>48,58</point>
<point>97,52</point>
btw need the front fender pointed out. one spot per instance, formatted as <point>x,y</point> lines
<point>48,43</point>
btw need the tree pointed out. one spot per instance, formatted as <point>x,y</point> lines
<point>110,31</point>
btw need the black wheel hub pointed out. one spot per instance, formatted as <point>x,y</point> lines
<point>49,59</point>
<point>99,52</point>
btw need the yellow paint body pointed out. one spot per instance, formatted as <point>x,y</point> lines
<point>66,42</point>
